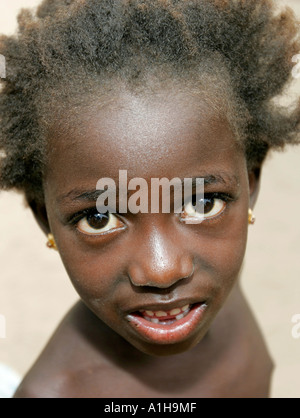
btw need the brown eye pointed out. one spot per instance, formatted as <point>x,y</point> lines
<point>98,220</point>
<point>98,223</point>
<point>210,208</point>
<point>209,205</point>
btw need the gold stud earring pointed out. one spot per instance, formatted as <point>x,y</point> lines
<point>51,242</point>
<point>251,217</point>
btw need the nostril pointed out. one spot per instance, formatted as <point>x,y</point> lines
<point>187,269</point>
<point>161,279</point>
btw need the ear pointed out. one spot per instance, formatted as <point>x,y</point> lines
<point>254,177</point>
<point>40,214</point>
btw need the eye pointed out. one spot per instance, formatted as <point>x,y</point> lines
<point>209,207</point>
<point>96,223</point>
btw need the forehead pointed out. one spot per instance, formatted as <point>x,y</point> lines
<point>148,135</point>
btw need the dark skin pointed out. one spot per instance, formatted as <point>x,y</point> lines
<point>150,261</point>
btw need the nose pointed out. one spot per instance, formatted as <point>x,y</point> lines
<point>160,259</point>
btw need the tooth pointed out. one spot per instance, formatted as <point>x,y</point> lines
<point>185,308</point>
<point>159,314</point>
<point>179,316</point>
<point>154,320</point>
<point>175,311</point>
<point>149,313</point>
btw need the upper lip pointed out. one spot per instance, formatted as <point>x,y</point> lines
<point>166,306</point>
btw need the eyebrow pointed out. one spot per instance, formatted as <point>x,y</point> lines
<point>92,195</point>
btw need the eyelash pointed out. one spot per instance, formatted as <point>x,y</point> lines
<point>74,219</point>
<point>226,197</point>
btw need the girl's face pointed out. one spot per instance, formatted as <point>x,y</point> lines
<point>151,277</point>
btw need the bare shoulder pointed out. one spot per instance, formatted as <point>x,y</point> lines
<point>68,358</point>
<point>245,366</point>
<point>85,358</point>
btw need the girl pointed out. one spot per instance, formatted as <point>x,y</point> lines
<point>160,89</point>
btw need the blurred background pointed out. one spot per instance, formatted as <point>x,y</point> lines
<point>35,292</point>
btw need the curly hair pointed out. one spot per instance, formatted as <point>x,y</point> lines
<point>68,41</point>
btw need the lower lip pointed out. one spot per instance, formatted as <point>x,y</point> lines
<point>168,333</point>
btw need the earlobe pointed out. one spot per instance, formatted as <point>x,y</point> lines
<point>254,177</point>
<point>40,214</point>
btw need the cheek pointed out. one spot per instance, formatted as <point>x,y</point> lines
<point>230,248</point>
<point>93,274</point>
<point>221,253</point>
<point>229,256</point>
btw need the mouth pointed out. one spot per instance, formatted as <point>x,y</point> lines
<point>167,326</point>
